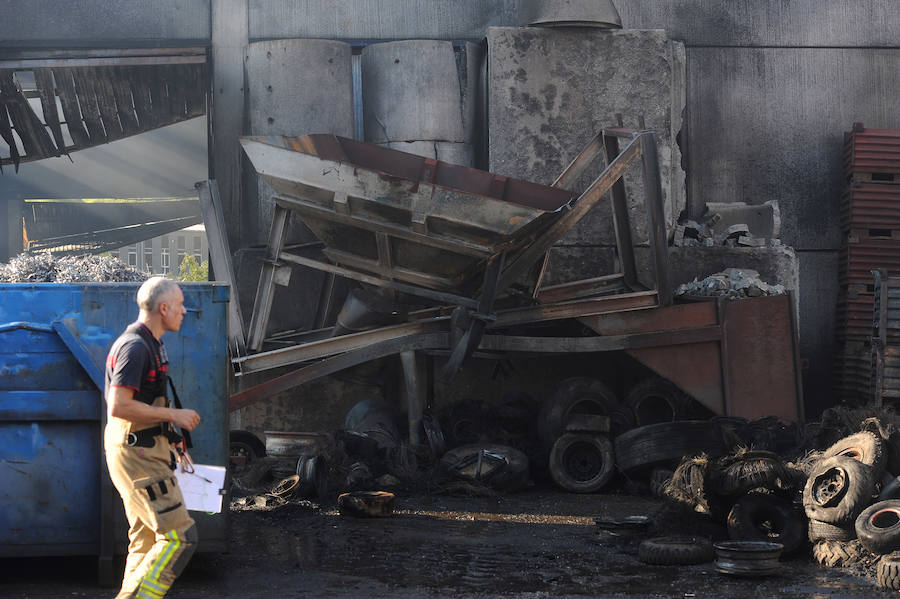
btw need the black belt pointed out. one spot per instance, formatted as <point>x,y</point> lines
<point>144,438</point>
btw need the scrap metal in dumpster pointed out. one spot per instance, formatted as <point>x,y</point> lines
<point>55,493</point>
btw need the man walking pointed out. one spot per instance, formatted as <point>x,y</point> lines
<point>139,445</point>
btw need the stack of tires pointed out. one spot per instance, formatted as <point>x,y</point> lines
<point>582,420</point>
<point>758,490</point>
<point>850,500</point>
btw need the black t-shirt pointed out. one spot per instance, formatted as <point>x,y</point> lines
<point>137,360</point>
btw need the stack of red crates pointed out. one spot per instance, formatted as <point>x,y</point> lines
<point>870,231</point>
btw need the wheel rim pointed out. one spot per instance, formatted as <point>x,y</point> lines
<point>829,487</point>
<point>886,518</point>
<point>244,454</point>
<point>583,461</point>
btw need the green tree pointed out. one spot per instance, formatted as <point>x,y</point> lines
<point>192,270</point>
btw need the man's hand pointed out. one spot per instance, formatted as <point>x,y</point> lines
<point>185,419</point>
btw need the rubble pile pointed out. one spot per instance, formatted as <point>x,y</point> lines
<point>45,268</point>
<point>733,283</point>
<point>694,234</point>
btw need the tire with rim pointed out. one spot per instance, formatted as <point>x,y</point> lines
<point>655,400</point>
<point>582,462</point>
<point>878,527</point>
<point>765,517</point>
<point>579,395</point>
<point>865,447</point>
<point>889,571</point>
<point>837,490</point>
<point>838,554</point>
<point>666,444</point>
<point>823,531</point>
<point>674,551</point>
<point>245,446</point>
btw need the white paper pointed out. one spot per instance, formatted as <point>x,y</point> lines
<point>202,487</point>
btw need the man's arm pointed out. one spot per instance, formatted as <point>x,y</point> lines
<point>121,404</point>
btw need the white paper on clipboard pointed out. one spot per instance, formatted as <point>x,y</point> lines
<point>202,487</point>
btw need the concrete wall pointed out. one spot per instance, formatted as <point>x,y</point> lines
<point>772,86</point>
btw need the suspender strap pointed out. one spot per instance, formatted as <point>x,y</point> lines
<point>186,434</point>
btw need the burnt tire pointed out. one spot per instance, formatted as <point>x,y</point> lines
<point>878,527</point>
<point>823,531</point>
<point>244,448</point>
<point>579,395</point>
<point>582,462</point>
<point>888,574</point>
<point>838,554</point>
<point>666,444</point>
<point>655,400</point>
<point>511,477</point>
<point>865,447</point>
<point>837,490</point>
<point>674,551</point>
<point>752,470</point>
<point>765,517</point>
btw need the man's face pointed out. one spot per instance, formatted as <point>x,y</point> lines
<point>172,310</point>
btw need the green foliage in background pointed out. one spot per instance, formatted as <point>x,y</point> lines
<point>192,270</point>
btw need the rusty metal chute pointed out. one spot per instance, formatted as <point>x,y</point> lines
<point>102,96</point>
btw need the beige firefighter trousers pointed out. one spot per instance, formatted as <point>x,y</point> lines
<point>162,535</point>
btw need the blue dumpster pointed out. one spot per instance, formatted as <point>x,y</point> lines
<point>55,494</point>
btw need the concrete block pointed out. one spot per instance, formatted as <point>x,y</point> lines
<point>295,87</point>
<point>551,90</point>
<point>763,220</point>
<point>419,90</point>
<point>300,86</point>
<point>454,153</point>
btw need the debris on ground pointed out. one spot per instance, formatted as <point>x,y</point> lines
<point>733,283</point>
<point>45,268</point>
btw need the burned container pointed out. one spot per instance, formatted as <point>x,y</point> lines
<point>56,495</point>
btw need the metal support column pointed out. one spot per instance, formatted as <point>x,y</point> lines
<point>415,399</point>
<point>265,291</point>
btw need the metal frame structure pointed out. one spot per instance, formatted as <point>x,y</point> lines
<point>318,166</point>
<point>710,348</point>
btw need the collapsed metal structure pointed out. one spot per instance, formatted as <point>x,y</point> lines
<point>475,246</point>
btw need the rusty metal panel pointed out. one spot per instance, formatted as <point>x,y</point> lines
<point>872,154</point>
<point>673,318</point>
<point>697,369</point>
<point>857,260</point>
<point>761,359</point>
<point>870,206</point>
